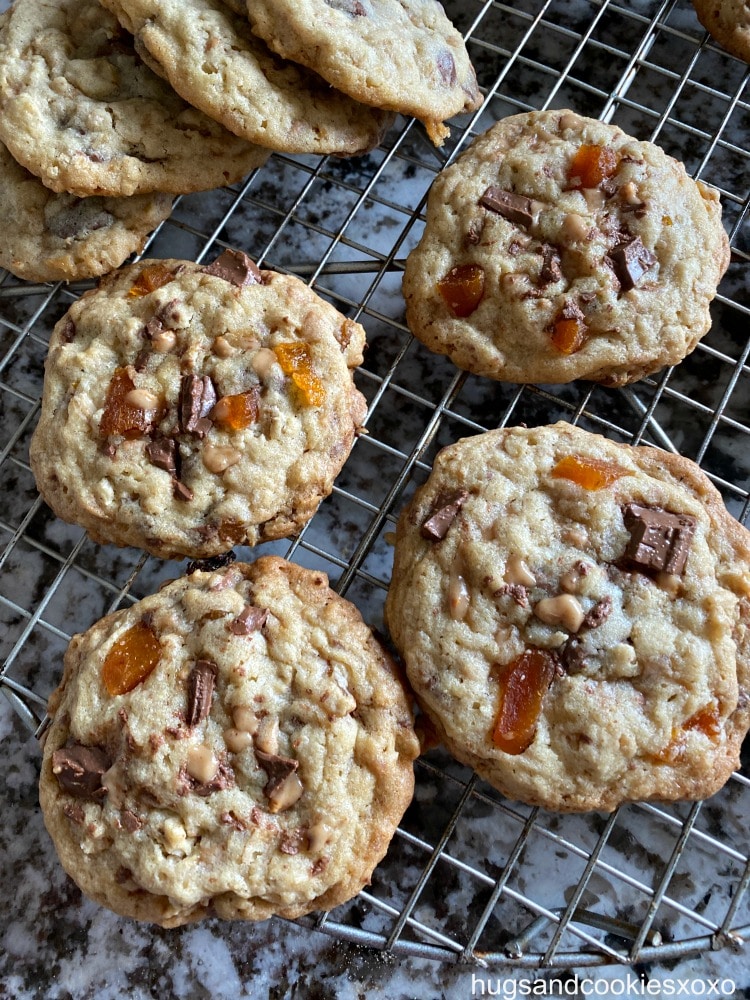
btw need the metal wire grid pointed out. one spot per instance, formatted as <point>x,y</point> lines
<point>470,877</point>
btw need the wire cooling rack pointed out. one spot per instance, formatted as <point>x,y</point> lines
<point>469,877</point>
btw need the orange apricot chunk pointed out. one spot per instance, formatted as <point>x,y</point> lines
<point>569,335</point>
<point>131,659</point>
<point>150,278</point>
<point>592,165</point>
<point>590,473</point>
<point>524,685</point>
<point>238,411</point>
<point>296,361</point>
<point>120,416</point>
<point>462,289</point>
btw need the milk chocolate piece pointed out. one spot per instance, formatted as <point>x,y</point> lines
<point>514,207</point>
<point>181,492</point>
<point>277,768</point>
<point>68,332</point>
<point>196,400</point>
<point>250,619</point>
<point>550,271</point>
<point>200,691</point>
<point>162,453</point>
<point>235,267</point>
<point>630,261</point>
<point>79,771</point>
<point>659,540</point>
<point>446,66</point>
<point>599,613</point>
<point>443,514</point>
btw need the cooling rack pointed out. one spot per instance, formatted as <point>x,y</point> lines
<point>470,877</point>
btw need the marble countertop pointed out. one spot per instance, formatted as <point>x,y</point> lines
<point>347,225</point>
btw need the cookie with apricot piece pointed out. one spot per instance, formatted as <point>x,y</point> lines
<point>238,745</point>
<point>189,408</point>
<point>574,617</point>
<point>558,247</point>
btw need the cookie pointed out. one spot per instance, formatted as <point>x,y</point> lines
<point>189,408</point>
<point>574,615</point>
<point>401,55</point>
<point>557,248</point>
<point>236,745</point>
<point>727,21</point>
<point>81,111</point>
<point>212,59</point>
<point>58,237</point>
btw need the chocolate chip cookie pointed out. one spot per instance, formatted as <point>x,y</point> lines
<point>81,110</point>
<point>574,615</point>
<point>211,57</point>
<point>557,247</point>
<point>237,745</point>
<point>189,408</point>
<point>58,237</point>
<point>401,55</point>
<point>728,21</point>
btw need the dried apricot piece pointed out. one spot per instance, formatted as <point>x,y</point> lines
<point>590,473</point>
<point>238,411</point>
<point>150,278</point>
<point>462,289</point>
<point>120,416</point>
<point>131,659</point>
<point>524,684</point>
<point>296,361</point>
<point>592,165</point>
<point>569,335</point>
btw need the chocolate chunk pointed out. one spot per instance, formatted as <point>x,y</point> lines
<point>250,619</point>
<point>474,232</point>
<point>571,310</point>
<point>162,452</point>
<point>78,219</point>
<point>446,67</point>
<point>573,656</point>
<point>211,564</point>
<point>141,360</point>
<point>516,591</point>
<point>550,271</point>
<point>74,812</point>
<point>659,540</point>
<point>196,400</point>
<point>235,267</point>
<point>200,691</point>
<point>182,492</point>
<point>630,260</point>
<point>79,771</point>
<point>277,768</point>
<point>291,841</point>
<point>68,331</point>
<point>130,821</point>
<point>353,7</point>
<point>597,615</point>
<point>443,514</point>
<point>153,327</point>
<point>514,207</point>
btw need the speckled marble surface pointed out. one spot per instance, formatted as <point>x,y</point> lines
<point>53,582</point>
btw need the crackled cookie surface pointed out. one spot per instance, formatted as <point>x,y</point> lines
<point>557,247</point>
<point>574,617</point>
<point>728,21</point>
<point>188,408</point>
<point>236,745</point>
<point>401,55</point>
<point>211,57</point>
<point>58,237</point>
<point>81,110</point>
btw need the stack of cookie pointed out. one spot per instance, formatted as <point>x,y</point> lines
<point>148,98</point>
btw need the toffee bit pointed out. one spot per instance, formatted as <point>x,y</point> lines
<point>250,619</point>
<point>212,563</point>
<point>201,681</point>
<point>443,514</point>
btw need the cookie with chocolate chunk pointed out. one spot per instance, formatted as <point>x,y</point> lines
<point>237,745</point>
<point>574,616</point>
<point>211,57</point>
<point>558,247</point>
<point>401,55</point>
<point>58,237</point>
<point>82,111</point>
<point>188,408</point>
<point>728,21</point>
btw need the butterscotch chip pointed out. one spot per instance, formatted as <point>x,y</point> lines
<point>558,247</point>
<point>619,669</point>
<point>401,55</point>
<point>83,112</point>
<point>158,782</point>
<point>181,478</point>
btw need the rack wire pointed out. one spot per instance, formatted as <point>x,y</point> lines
<point>470,877</point>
